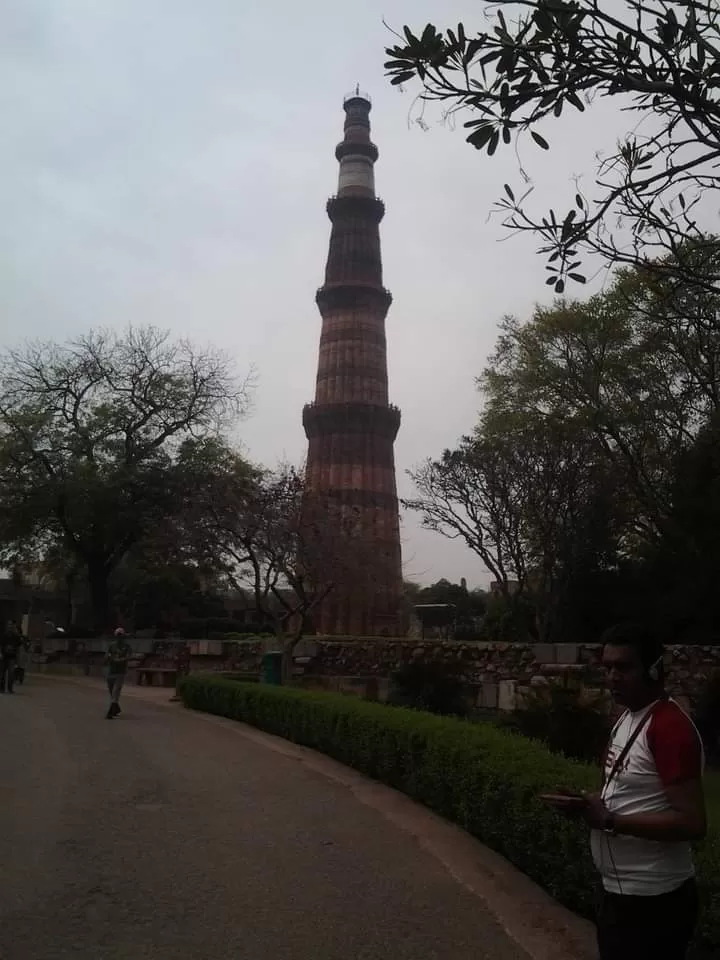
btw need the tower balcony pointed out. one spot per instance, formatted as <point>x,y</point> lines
<point>369,499</point>
<point>370,208</point>
<point>360,148</point>
<point>320,419</point>
<point>351,296</point>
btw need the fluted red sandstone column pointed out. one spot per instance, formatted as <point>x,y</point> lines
<point>351,427</point>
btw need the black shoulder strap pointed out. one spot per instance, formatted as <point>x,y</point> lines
<point>617,766</point>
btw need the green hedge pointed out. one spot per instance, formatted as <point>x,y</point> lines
<point>482,778</point>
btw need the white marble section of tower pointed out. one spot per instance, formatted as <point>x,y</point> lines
<point>357,154</point>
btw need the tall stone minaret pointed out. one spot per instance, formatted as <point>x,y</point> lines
<point>351,427</point>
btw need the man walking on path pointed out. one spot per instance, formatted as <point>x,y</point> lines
<point>118,655</point>
<point>648,812</point>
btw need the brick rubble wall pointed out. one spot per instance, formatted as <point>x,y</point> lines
<point>498,672</point>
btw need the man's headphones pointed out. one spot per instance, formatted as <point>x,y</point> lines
<point>655,670</point>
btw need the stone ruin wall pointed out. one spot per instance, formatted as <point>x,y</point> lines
<point>497,675</point>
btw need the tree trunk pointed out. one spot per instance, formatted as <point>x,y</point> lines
<point>288,649</point>
<point>17,595</point>
<point>69,615</point>
<point>98,576</point>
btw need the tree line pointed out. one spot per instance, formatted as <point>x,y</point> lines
<point>590,486</point>
<point>119,476</point>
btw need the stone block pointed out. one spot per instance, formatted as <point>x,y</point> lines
<point>353,686</point>
<point>307,648</point>
<point>574,680</point>
<point>506,696</point>
<point>488,696</point>
<point>566,653</point>
<point>539,681</point>
<point>328,684</point>
<point>597,697</point>
<point>544,652</point>
<point>593,654</point>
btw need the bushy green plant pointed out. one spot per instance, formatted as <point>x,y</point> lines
<point>558,717</point>
<point>508,619</point>
<point>482,778</point>
<point>707,718</point>
<point>428,685</point>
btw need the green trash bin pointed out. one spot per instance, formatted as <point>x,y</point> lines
<point>272,668</point>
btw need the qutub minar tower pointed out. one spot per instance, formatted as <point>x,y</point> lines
<point>351,427</point>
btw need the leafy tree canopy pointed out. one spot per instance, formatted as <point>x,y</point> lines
<point>589,483</point>
<point>535,59</point>
<point>96,440</point>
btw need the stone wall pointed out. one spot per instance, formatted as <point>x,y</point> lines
<point>498,675</point>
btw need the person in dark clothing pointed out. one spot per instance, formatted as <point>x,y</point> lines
<point>9,646</point>
<point>118,655</point>
<point>22,661</point>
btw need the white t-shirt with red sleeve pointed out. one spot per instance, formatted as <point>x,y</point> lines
<point>668,750</point>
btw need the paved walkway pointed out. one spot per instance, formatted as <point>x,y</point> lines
<point>167,834</point>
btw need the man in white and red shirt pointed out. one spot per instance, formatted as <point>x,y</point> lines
<point>649,811</point>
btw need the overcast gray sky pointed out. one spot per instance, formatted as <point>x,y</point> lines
<point>168,162</point>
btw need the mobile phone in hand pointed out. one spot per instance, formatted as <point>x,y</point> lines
<point>563,801</point>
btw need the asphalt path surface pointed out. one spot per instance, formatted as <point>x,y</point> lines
<point>165,834</point>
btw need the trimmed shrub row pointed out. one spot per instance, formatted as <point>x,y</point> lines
<point>482,778</point>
